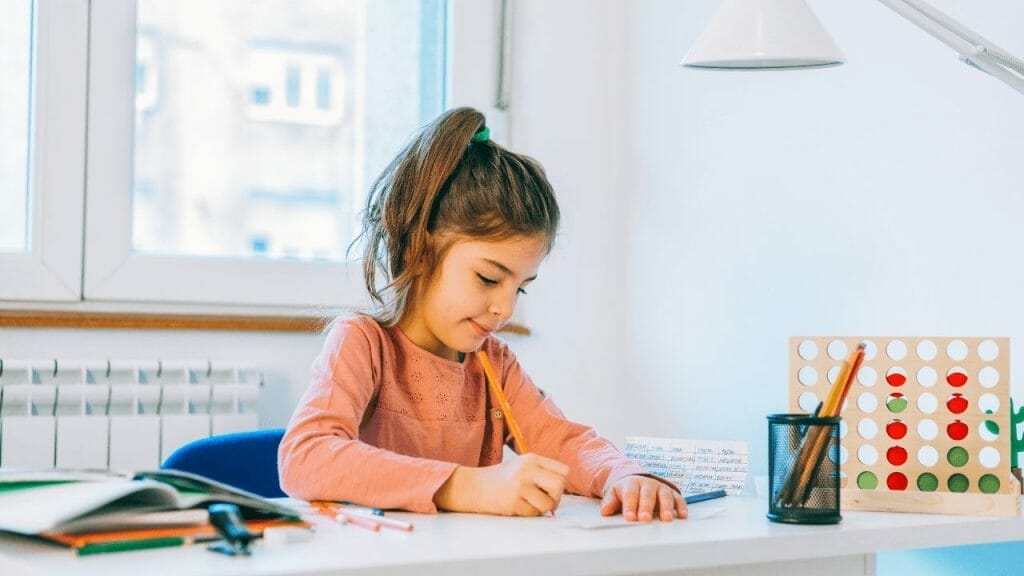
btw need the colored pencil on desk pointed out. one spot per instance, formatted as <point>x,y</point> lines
<point>125,545</point>
<point>694,498</point>
<point>366,509</point>
<point>359,518</point>
<point>391,523</point>
<point>495,384</point>
<point>155,537</point>
<point>334,511</point>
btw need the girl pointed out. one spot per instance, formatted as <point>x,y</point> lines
<point>398,414</point>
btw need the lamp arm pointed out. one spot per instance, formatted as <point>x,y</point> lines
<point>973,48</point>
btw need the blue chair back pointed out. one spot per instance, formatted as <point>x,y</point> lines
<point>246,460</point>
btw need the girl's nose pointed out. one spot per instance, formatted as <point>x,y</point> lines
<point>502,307</point>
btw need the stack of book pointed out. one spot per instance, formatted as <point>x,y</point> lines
<point>94,512</point>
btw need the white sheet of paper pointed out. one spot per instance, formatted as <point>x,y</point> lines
<point>694,466</point>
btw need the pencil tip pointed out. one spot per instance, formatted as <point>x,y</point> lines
<point>862,345</point>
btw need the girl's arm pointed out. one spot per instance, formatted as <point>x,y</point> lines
<point>321,458</point>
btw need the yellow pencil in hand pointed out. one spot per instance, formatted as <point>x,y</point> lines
<point>492,381</point>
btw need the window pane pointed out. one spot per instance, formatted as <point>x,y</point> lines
<point>259,124</point>
<point>15,119</point>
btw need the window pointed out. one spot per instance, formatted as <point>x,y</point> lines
<point>42,134</point>
<point>229,145</point>
<point>16,66</point>
<point>241,149</point>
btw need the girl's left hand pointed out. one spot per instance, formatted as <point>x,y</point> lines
<point>640,498</point>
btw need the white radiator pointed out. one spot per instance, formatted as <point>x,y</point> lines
<point>118,414</point>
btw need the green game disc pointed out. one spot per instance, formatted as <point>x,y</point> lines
<point>927,482</point>
<point>867,481</point>
<point>957,456</point>
<point>989,484</point>
<point>896,405</point>
<point>958,483</point>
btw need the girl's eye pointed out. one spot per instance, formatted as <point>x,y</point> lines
<point>521,291</point>
<point>486,280</point>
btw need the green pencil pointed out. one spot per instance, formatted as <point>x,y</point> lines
<point>124,545</point>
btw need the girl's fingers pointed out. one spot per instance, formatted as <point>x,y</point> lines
<point>611,502</point>
<point>648,498</point>
<point>666,504</point>
<point>523,507</point>
<point>681,510</point>
<point>538,500</point>
<point>630,497</point>
<point>551,483</point>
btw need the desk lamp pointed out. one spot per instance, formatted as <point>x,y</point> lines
<point>770,34</point>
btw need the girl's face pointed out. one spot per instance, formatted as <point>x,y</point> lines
<point>473,294</point>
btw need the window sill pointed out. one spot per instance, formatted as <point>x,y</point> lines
<point>157,321</point>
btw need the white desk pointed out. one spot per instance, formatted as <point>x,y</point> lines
<point>739,540</point>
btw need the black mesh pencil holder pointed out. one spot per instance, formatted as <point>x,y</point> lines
<point>803,469</point>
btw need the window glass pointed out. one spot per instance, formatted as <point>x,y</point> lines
<point>260,124</point>
<point>16,34</point>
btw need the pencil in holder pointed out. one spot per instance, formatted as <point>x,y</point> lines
<point>803,469</point>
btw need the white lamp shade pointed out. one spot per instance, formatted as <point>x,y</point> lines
<point>764,34</point>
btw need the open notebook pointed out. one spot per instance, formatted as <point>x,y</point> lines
<point>67,506</point>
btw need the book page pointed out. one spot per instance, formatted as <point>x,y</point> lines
<point>47,508</point>
<point>195,491</point>
<point>695,466</point>
<point>134,520</point>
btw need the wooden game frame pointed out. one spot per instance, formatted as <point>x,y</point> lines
<point>1003,502</point>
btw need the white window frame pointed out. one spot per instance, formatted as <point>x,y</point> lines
<point>51,269</point>
<point>113,273</point>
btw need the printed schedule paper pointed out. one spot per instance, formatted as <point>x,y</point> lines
<point>694,466</point>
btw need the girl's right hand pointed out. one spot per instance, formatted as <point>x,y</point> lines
<point>527,485</point>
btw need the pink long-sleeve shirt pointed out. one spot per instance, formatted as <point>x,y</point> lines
<point>385,423</point>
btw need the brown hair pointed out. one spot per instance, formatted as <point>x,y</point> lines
<point>445,182</point>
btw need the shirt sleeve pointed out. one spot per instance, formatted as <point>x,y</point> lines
<point>594,462</point>
<point>321,456</point>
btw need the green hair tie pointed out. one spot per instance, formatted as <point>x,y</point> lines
<point>482,135</point>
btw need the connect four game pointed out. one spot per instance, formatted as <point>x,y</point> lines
<point>925,426</point>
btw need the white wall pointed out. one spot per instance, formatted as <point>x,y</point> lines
<point>875,198</point>
<point>569,112</point>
